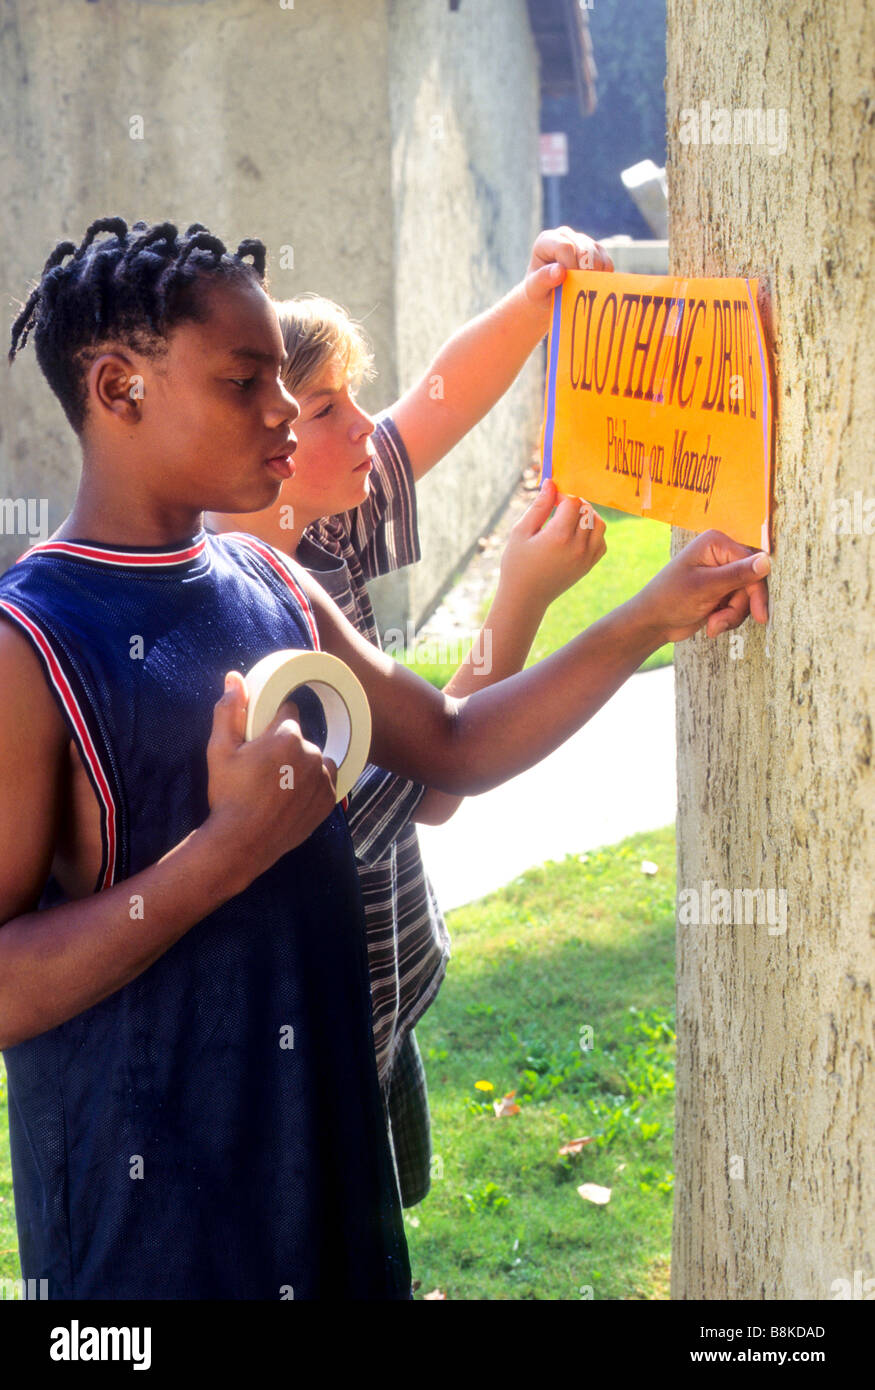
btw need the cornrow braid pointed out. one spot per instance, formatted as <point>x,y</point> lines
<point>132,286</point>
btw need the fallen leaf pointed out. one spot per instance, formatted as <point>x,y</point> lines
<point>435,1293</point>
<point>591,1192</point>
<point>574,1146</point>
<point>506,1106</point>
<point>648,867</point>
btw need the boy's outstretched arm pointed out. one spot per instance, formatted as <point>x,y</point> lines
<point>480,361</point>
<point>56,963</point>
<point>544,556</point>
<point>465,746</point>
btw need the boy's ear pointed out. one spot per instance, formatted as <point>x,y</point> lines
<point>115,385</point>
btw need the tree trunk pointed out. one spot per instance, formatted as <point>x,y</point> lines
<point>775,1184</point>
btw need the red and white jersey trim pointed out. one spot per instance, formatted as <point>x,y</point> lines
<point>84,740</point>
<point>118,558</point>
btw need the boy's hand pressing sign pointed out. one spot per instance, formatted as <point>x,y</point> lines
<point>546,554</point>
<point>687,594</point>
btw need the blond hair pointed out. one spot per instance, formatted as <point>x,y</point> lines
<point>317,331</point>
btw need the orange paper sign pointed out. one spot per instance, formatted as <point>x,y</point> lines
<point>658,400</point>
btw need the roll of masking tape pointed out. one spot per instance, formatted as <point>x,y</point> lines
<point>345,704</point>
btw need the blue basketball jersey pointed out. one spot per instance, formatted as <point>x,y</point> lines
<point>213,1129</point>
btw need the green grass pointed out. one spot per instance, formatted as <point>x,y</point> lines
<point>585,943</point>
<point>637,548</point>
<point>9,1268</point>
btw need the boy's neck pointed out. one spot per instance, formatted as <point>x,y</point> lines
<point>127,521</point>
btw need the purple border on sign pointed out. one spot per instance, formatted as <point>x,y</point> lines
<point>766,423</point>
<point>552,367</point>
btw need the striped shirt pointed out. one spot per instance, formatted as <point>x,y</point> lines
<point>408,944</point>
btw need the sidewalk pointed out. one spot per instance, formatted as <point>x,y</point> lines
<point>614,778</point>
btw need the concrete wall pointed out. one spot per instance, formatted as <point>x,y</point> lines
<point>775,1187</point>
<point>309,128</point>
<point>467,196</point>
<point>257,120</point>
